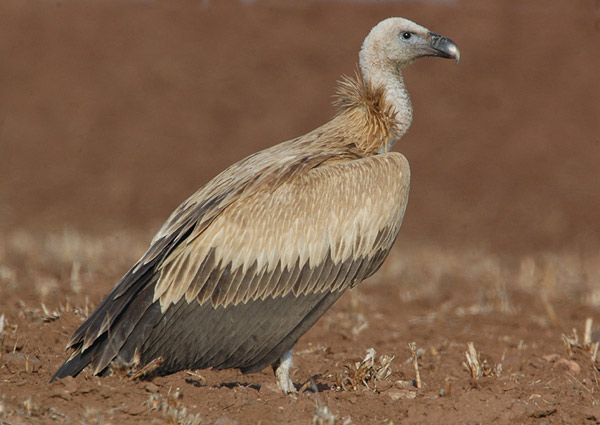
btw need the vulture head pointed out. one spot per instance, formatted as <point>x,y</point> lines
<point>397,42</point>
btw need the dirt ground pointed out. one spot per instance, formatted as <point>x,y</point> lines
<point>111,113</point>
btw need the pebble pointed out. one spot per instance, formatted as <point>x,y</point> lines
<point>70,385</point>
<point>401,394</point>
<point>151,388</point>
<point>224,420</point>
<point>18,362</point>
<point>571,364</point>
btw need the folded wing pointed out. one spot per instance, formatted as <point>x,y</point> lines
<point>248,264</point>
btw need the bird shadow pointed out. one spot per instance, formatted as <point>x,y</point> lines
<point>236,384</point>
<point>231,385</point>
<point>309,386</point>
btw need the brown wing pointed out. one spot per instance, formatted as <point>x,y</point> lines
<point>239,288</point>
<point>192,217</point>
<point>332,214</point>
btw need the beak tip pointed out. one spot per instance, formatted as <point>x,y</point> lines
<point>444,47</point>
<point>454,52</point>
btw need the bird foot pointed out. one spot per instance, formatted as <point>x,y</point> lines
<point>285,383</point>
<point>282,373</point>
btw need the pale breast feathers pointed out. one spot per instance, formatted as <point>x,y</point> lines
<point>322,229</point>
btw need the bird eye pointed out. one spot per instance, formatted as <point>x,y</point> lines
<point>406,35</point>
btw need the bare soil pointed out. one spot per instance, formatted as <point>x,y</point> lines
<point>111,113</point>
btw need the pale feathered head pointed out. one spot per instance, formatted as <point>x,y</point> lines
<point>397,42</point>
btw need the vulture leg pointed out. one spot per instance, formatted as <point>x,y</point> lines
<point>282,372</point>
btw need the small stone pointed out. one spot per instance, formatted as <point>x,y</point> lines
<point>551,358</point>
<point>19,362</point>
<point>151,388</point>
<point>224,420</point>
<point>137,410</point>
<point>592,413</point>
<point>405,384</point>
<point>401,394</point>
<point>570,364</point>
<point>70,384</point>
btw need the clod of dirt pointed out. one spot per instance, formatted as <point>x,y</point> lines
<point>224,420</point>
<point>592,413</point>
<point>401,394</point>
<point>151,388</point>
<point>551,358</point>
<point>70,384</point>
<point>538,414</point>
<point>572,365</point>
<point>21,362</point>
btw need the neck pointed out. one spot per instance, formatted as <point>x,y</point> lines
<point>383,75</point>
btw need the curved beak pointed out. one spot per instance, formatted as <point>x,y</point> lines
<point>443,47</point>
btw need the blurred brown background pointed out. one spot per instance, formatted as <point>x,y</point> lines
<point>112,113</point>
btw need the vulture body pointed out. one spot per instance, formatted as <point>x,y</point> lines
<point>246,265</point>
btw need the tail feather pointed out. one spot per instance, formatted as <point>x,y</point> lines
<point>120,297</point>
<point>97,347</point>
<point>110,308</point>
<point>74,365</point>
<point>122,330</point>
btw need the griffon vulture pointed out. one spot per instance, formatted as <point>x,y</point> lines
<point>247,264</point>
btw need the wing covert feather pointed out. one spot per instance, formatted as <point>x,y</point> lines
<point>346,213</point>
